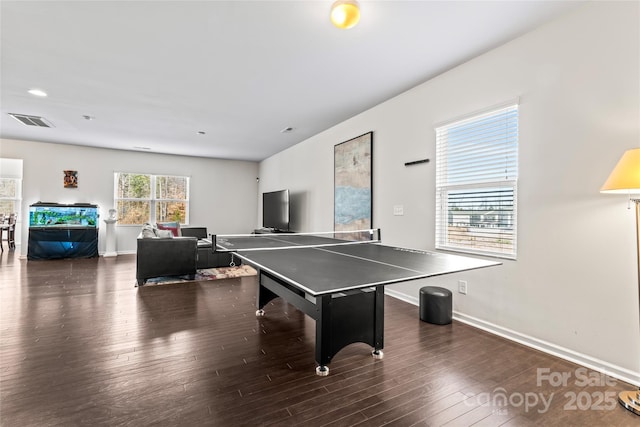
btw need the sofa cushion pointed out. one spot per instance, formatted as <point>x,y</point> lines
<point>204,243</point>
<point>199,232</point>
<point>174,227</point>
<point>150,232</point>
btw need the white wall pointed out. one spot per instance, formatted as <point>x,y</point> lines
<point>11,168</point>
<point>223,192</point>
<point>573,290</point>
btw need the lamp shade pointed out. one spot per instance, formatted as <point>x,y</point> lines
<point>625,177</point>
<point>345,14</point>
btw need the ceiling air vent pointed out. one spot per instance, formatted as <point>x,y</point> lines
<point>32,120</point>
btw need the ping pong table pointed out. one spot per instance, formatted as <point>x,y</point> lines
<point>337,282</point>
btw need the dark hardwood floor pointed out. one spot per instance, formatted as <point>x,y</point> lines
<point>80,345</point>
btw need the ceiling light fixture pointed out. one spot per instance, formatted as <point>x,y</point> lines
<point>37,92</point>
<point>201,132</point>
<point>345,14</point>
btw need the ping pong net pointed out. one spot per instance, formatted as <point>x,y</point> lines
<point>276,241</point>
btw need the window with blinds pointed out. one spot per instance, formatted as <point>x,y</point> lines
<point>476,183</point>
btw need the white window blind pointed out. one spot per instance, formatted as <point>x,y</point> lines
<point>476,183</point>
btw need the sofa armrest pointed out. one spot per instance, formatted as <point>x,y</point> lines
<point>165,257</point>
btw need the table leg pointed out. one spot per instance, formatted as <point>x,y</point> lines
<point>341,319</point>
<point>324,348</point>
<point>264,296</point>
<point>347,318</point>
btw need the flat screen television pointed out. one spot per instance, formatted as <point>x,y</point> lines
<point>275,210</point>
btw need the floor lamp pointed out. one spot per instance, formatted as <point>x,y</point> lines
<point>625,179</point>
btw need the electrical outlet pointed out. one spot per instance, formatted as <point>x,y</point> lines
<point>398,210</point>
<point>462,286</point>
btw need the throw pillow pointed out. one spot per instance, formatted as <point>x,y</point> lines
<point>164,234</point>
<point>148,231</point>
<point>174,227</point>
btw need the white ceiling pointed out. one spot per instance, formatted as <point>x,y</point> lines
<point>154,73</point>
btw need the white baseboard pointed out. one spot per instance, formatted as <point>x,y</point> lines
<point>598,365</point>
<point>116,253</point>
<point>402,297</point>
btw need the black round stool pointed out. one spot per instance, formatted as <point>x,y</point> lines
<point>436,305</point>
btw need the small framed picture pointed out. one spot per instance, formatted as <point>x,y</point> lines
<point>70,179</point>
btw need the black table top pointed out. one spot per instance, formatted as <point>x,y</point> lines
<point>332,268</point>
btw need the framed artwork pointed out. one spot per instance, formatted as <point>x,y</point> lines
<point>353,184</point>
<point>70,179</point>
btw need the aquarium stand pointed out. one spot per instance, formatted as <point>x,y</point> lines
<point>62,231</point>
<point>50,243</point>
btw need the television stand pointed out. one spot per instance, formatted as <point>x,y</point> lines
<point>268,231</point>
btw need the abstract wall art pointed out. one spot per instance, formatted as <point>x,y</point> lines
<point>353,184</point>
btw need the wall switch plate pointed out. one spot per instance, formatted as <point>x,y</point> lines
<point>398,210</point>
<point>462,286</point>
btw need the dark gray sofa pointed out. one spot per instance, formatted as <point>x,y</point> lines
<point>157,256</point>
<point>207,257</point>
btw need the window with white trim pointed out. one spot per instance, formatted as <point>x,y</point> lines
<point>476,183</point>
<point>141,198</point>
<point>10,196</point>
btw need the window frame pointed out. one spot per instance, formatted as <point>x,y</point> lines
<point>153,200</point>
<point>17,197</point>
<point>494,186</point>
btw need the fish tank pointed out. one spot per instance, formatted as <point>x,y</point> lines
<point>60,215</point>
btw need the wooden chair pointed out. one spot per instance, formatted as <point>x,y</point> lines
<point>2,228</point>
<point>11,235</point>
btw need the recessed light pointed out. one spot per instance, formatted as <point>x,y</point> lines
<point>88,117</point>
<point>287,130</point>
<point>201,132</point>
<point>37,92</point>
